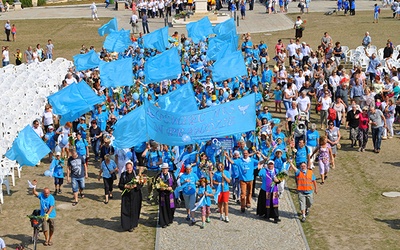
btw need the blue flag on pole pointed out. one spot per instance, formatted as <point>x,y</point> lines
<point>73,101</point>
<point>116,73</point>
<point>86,61</point>
<point>225,27</point>
<point>166,65</point>
<point>179,100</point>
<point>112,25</point>
<point>157,39</point>
<point>229,66</point>
<point>117,41</point>
<point>218,46</point>
<point>186,128</point>
<point>130,130</point>
<point>200,29</point>
<point>28,148</point>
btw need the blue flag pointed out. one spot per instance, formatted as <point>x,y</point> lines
<point>157,39</point>
<point>200,29</point>
<point>73,101</point>
<point>116,73</point>
<point>179,100</point>
<point>86,61</point>
<point>112,25</point>
<point>117,41</point>
<point>225,27</point>
<point>166,65</point>
<point>219,46</point>
<point>28,148</point>
<point>186,128</point>
<point>229,66</point>
<point>130,130</point>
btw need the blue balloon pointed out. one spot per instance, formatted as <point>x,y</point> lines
<point>47,173</point>
<point>57,149</point>
<point>209,103</point>
<point>64,140</point>
<point>141,73</point>
<point>129,155</point>
<point>186,138</point>
<point>141,51</point>
<point>263,60</point>
<point>135,96</point>
<point>226,95</point>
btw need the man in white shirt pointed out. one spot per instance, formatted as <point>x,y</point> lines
<point>134,23</point>
<point>2,244</point>
<point>304,103</point>
<point>299,79</point>
<point>291,49</point>
<point>38,130</point>
<point>306,51</point>
<point>6,56</point>
<point>291,114</point>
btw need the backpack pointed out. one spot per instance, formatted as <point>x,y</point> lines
<point>331,114</point>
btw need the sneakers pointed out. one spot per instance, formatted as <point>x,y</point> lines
<point>303,219</point>
<point>188,218</point>
<point>360,149</point>
<point>226,219</point>
<point>384,137</point>
<point>307,211</point>
<point>234,197</point>
<point>202,225</point>
<point>59,191</point>
<point>221,217</point>
<point>242,210</point>
<point>208,220</point>
<point>192,222</point>
<point>363,150</point>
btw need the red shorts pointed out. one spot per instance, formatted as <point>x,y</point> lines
<point>223,197</point>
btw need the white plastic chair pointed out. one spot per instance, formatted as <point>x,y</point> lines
<point>380,53</point>
<point>3,181</point>
<point>395,54</point>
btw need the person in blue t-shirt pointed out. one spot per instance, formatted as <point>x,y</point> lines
<point>108,167</point>
<point>246,167</point>
<point>82,126</point>
<point>189,180</point>
<point>222,177</point>
<point>48,210</point>
<point>56,167</point>
<point>312,138</point>
<point>302,154</point>
<point>278,99</point>
<point>82,146</point>
<point>205,190</point>
<point>153,162</point>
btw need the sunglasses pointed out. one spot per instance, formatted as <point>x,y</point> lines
<point>331,124</point>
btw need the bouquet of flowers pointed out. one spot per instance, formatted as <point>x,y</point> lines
<point>281,177</point>
<point>160,184</point>
<point>140,179</point>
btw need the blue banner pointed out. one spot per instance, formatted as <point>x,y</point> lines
<point>179,100</point>
<point>130,130</point>
<point>225,27</point>
<point>28,148</point>
<point>186,128</point>
<point>200,29</point>
<point>112,25</point>
<point>116,73</point>
<point>163,66</point>
<point>231,65</point>
<point>157,39</point>
<point>117,41</point>
<point>73,101</point>
<point>86,61</point>
<point>217,47</point>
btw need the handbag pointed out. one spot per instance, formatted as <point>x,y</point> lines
<point>319,107</point>
<point>113,175</point>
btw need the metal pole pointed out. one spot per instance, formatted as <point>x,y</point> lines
<point>237,21</point>
<point>234,14</point>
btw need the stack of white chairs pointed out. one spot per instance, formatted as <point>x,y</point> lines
<point>23,94</point>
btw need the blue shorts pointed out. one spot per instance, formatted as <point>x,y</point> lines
<point>78,183</point>
<point>58,181</point>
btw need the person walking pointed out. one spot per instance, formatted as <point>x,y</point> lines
<point>305,180</point>
<point>378,122</point>
<point>145,23</point>
<point>166,196</point>
<point>108,171</point>
<point>131,200</point>
<point>49,49</point>
<point>7,30</point>
<point>93,7</point>
<point>76,172</point>
<point>222,177</point>
<point>134,23</point>
<point>377,10</point>
<point>363,129</point>
<point>48,210</point>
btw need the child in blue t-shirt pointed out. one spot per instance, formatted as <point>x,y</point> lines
<point>233,9</point>
<point>377,10</point>
<point>278,99</point>
<point>205,190</point>
<point>56,167</point>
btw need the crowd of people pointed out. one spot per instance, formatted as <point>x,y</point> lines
<point>30,55</point>
<point>198,174</point>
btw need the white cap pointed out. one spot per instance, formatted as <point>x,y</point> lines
<point>58,153</point>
